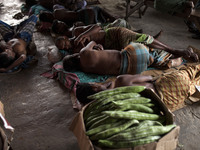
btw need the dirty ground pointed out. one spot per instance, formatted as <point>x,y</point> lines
<point>40,109</point>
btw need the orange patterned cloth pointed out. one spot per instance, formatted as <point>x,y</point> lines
<point>174,88</point>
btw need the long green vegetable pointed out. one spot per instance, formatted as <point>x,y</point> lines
<point>102,121</point>
<point>125,89</point>
<point>135,100</point>
<point>142,132</point>
<point>127,144</point>
<point>131,106</point>
<point>103,127</point>
<point>108,106</point>
<point>114,130</point>
<point>89,123</point>
<point>99,103</point>
<point>119,97</point>
<point>142,124</point>
<point>131,114</point>
<point>149,105</point>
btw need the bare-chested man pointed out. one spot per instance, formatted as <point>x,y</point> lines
<point>133,59</point>
<point>117,38</point>
<point>13,46</point>
<point>183,80</point>
<point>88,16</point>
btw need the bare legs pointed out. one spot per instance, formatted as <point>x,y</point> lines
<point>187,54</point>
<point>158,34</point>
<point>129,80</point>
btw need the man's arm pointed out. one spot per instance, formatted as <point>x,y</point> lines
<point>86,35</point>
<point>81,29</point>
<point>89,46</point>
<point>14,64</point>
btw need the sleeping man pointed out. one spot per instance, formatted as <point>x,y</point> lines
<point>118,38</point>
<point>133,59</point>
<point>15,45</point>
<point>173,88</point>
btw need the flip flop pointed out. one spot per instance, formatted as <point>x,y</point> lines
<point>18,16</point>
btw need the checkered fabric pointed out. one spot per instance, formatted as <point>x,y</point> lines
<point>176,87</point>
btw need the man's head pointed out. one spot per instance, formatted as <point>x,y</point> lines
<point>63,43</point>
<point>71,62</point>
<point>46,16</point>
<point>59,27</point>
<point>6,58</point>
<point>83,90</point>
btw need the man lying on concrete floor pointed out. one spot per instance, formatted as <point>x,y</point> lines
<point>173,88</point>
<point>14,45</point>
<point>94,33</point>
<point>62,29</point>
<point>117,38</point>
<point>88,16</point>
<point>133,59</point>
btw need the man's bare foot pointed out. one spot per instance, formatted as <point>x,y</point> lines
<point>18,16</point>
<point>190,55</point>
<point>158,34</point>
<point>175,62</point>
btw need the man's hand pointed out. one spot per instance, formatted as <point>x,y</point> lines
<point>98,47</point>
<point>81,39</point>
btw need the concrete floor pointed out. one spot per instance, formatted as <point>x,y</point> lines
<point>41,111</point>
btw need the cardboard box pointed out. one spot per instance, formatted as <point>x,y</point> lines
<point>167,142</point>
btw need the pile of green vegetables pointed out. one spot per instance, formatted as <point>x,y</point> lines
<point>122,118</point>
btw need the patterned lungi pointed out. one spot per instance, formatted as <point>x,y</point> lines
<point>118,37</point>
<point>24,30</point>
<point>176,87</point>
<point>135,59</point>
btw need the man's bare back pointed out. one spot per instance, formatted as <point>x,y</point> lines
<point>100,61</point>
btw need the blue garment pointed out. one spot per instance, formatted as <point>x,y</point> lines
<point>86,77</point>
<point>135,59</point>
<point>124,63</point>
<point>23,65</point>
<point>36,9</point>
<point>24,30</point>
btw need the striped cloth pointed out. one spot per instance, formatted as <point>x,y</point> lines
<point>159,59</point>
<point>176,87</point>
<point>135,59</point>
<point>70,79</point>
<point>119,37</point>
<point>24,30</point>
<point>117,23</point>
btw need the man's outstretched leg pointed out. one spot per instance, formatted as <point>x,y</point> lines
<point>187,54</point>
<point>26,29</point>
<point>6,31</point>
